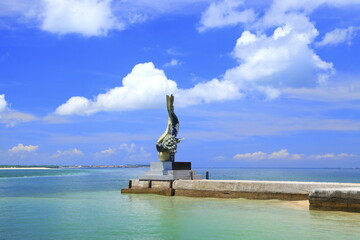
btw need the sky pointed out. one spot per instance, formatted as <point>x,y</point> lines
<point>256,83</point>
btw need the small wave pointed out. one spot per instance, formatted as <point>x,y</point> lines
<point>40,173</point>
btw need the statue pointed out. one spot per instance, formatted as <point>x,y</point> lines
<point>166,145</point>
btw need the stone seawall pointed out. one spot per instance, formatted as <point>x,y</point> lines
<point>256,189</point>
<point>322,195</point>
<point>341,199</point>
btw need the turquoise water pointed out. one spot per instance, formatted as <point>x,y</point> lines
<point>87,204</point>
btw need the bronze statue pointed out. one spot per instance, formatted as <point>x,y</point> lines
<point>167,143</point>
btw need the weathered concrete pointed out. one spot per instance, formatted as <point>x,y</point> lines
<point>150,187</point>
<point>247,195</point>
<point>159,191</point>
<point>286,187</point>
<point>342,199</point>
<point>325,196</point>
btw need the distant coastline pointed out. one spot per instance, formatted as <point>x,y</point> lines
<point>39,167</point>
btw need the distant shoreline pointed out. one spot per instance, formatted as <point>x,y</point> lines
<point>19,167</point>
<point>26,168</point>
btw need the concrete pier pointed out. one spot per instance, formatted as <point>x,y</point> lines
<point>323,195</point>
<point>341,199</point>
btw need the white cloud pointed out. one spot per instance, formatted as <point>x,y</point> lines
<point>225,13</point>
<point>133,152</point>
<point>332,156</point>
<point>87,17</point>
<point>285,155</point>
<point>11,117</point>
<point>129,148</point>
<point>281,9</point>
<point>109,151</point>
<point>22,148</point>
<point>145,87</point>
<point>338,36</point>
<point>269,63</point>
<point>251,156</point>
<point>172,63</point>
<point>283,59</point>
<point>344,90</point>
<point>256,156</point>
<point>126,151</point>
<point>70,152</point>
<point>211,91</point>
<point>3,103</point>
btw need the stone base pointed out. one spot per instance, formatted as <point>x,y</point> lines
<point>170,171</point>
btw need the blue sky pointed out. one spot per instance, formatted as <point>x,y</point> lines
<point>256,83</point>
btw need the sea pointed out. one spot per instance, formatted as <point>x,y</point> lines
<point>87,204</point>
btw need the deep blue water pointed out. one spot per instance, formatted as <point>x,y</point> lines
<point>87,204</point>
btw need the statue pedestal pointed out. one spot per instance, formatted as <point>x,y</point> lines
<point>163,171</point>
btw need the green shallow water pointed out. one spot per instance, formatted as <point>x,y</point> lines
<point>88,205</point>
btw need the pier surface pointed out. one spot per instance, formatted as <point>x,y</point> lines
<point>321,195</point>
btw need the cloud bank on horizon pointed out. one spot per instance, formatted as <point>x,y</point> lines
<point>285,155</point>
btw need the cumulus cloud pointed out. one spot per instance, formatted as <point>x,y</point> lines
<point>277,57</point>
<point>338,36</point>
<point>22,148</point>
<point>225,13</point>
<point>145,87</point>
<point>271,62</point>
<point>109,151</point>
<point>70,152</point>
<point>251,156</point>
<point>256,156</point>
<point>87,17</point>
<point>212,91</point>
<point>283,59</point>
